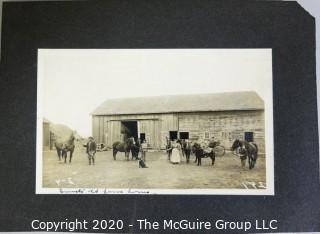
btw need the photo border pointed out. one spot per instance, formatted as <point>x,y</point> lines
<point>269,147</point>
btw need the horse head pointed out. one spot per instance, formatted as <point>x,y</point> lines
<point>196,146</point>
<point>130,141</point>
<point>236,144</point>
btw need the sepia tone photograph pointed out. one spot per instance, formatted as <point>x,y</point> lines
<point>155,121</point>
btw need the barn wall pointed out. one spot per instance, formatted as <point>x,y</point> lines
<point>107,129</point>
<point>169,122</point>
<point>225,126</point>
<point>96,128</point>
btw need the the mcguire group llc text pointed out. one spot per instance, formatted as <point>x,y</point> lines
<point>146,224</point>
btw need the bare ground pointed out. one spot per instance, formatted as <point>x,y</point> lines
<point>161,174</point>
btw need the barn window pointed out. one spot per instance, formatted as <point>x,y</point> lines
<point>184,135</point>
<point>206,135</point>
<point>173,135</point>
<point>142,137</point>
<point>248,136</point>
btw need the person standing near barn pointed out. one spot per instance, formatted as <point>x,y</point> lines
<point>212,142</point>
<point>176,153</point>
<point>91,149</point>
<point>243,156</point>
<point>144,149</point>
<point>168,148</point>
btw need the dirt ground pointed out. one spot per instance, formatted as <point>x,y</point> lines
<point>160,174</point>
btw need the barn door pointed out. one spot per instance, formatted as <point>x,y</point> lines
<point>114,132</point>
<point>150,129</point>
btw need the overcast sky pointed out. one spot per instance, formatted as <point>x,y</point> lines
<point>74,82</point>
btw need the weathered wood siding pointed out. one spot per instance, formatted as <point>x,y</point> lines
<point>96,128</point>
<point>107,129</point>
<point>225,126</point>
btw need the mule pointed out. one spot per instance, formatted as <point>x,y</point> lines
<point>251,150</point>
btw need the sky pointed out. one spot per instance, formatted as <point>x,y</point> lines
<point>73,82</point>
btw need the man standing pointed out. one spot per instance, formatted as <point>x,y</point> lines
<point>212,142</point>
<point>169,148</point>
<point>91,149</point>
<point>144,148</point>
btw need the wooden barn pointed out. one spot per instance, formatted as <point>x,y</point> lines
<point>226,116</point>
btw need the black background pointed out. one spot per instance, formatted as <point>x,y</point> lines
<point>283,26</point>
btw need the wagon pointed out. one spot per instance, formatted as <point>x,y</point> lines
<point>100,147</point>
<point>219,150</point>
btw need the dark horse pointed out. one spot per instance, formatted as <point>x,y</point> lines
<point>125,147</point>
<point>63,147</point>
<point>201,153</point>
<point>187,149</point>
<point>251,150</point>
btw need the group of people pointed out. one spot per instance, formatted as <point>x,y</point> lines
<point>177,149</point>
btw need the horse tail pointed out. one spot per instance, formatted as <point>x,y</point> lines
<point>256,150</point>
<point>255,155</point>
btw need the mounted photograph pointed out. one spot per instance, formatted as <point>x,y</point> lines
<point>155,121</point>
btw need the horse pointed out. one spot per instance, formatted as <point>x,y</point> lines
<point>125,147</point>
<point>251,150</point>
<point>63,147</point>
<point>187,148</point>
<point>91,150</point>
<point>201,153</point>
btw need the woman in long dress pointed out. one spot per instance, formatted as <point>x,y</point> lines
<point>176,151</point>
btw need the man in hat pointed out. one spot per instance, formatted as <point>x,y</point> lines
<point>91,149</point>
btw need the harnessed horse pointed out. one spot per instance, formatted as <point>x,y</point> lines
<point>201,153</point>
<point>250,150</point>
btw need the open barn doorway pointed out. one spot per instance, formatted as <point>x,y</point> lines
<point>129,129</point>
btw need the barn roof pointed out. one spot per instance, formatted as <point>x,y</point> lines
<point>248,100</point>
